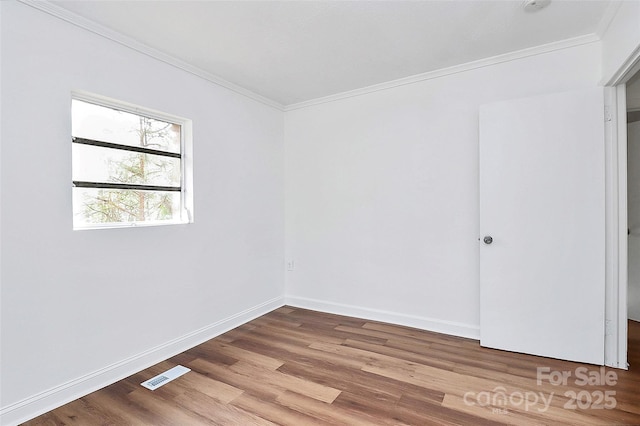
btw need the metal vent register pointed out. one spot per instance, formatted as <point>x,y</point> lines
<point>164,378</point>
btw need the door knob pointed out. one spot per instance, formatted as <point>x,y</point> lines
<point>488,239</point>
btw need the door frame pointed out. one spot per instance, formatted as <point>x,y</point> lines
<point>617,260</point>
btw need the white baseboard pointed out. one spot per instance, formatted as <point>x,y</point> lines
<point>431,324</point>
<point>35,405</point>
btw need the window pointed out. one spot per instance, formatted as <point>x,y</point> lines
<point>128,166</point>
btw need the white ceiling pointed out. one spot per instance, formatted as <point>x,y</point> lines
<point>294,51</point>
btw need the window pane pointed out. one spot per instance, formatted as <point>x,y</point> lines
<point>96,122</point>
<point>95,206</point>
<point>98,164</point>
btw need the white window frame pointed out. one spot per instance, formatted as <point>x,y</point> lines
<point>186,163</point>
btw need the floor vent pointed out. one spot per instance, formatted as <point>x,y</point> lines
<point>164,378</point>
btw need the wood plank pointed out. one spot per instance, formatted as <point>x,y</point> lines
<point>240,354</point>
<point>274,412</point>
<point>278,380</point>
<point>331,414</point>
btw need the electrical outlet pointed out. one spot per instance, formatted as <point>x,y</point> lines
<point>290,265</point>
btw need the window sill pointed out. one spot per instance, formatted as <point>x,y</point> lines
<point>120,225</point>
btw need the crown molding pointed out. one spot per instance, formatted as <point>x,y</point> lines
<point>89,25</point>
<point>626,71</point>
<point>430,75</point>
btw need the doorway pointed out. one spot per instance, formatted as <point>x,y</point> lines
<point>633,211</point>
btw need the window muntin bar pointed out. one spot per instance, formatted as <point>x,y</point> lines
<point>111,145</point>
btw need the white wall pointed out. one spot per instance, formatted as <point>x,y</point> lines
<point>382,192</point>
<point>80,309</point>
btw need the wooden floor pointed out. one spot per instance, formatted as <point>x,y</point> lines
<point>299,367</point>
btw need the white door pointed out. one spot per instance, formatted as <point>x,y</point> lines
<point>542,214</point>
